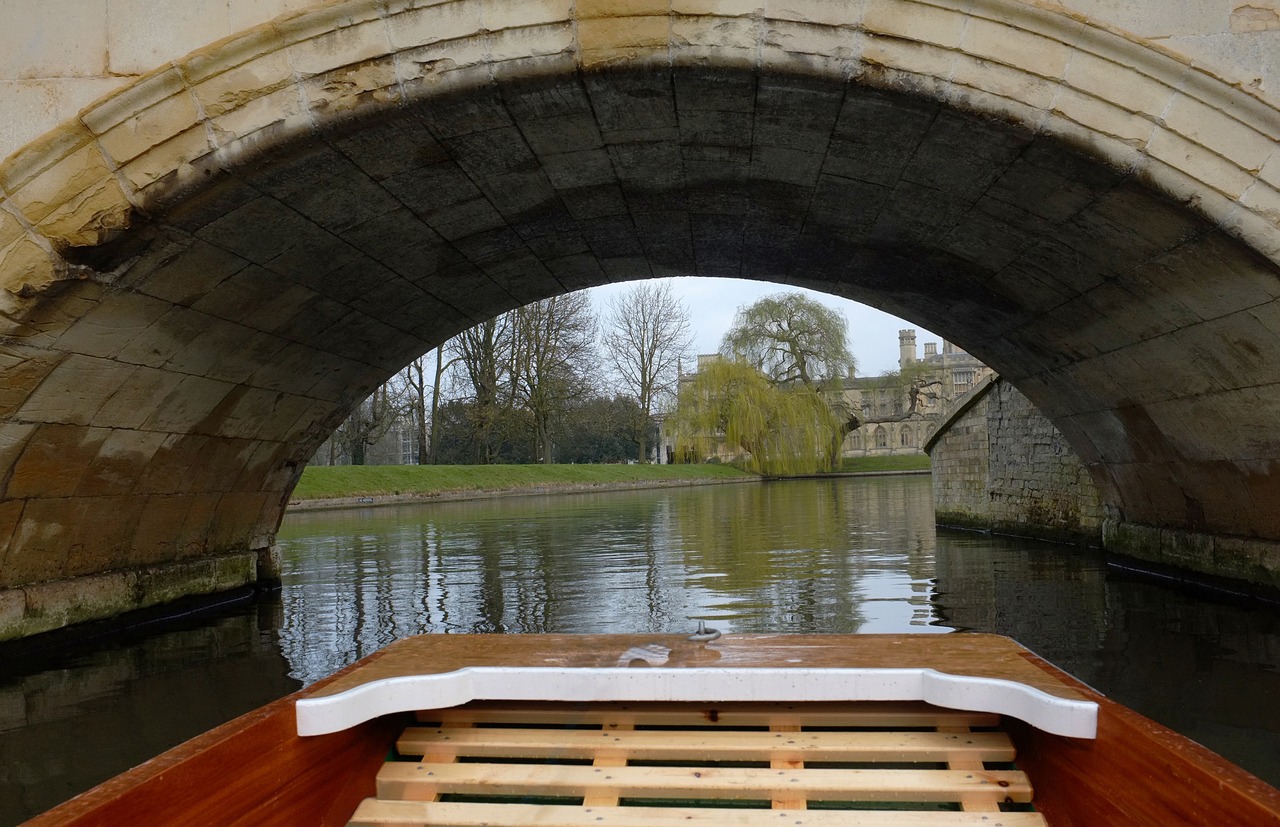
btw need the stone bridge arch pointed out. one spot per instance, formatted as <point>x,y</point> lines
<point>205,270</point>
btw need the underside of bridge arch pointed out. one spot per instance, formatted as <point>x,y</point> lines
<point>167,377</point>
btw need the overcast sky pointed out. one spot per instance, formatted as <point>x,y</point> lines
<point>873,335</point>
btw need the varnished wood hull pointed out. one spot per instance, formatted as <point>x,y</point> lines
<point>256,770</point>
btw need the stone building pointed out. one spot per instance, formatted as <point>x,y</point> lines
<point>897,411</point>
<point>397,446</point>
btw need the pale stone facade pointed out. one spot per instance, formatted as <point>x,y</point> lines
<point>898,413</point>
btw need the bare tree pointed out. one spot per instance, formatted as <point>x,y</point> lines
<point>485,353</point>
<point>371,419</point>
<point>648,333</point>
<point>553,349</point>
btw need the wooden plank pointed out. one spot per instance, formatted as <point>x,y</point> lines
<point>784,762</point>
<point>704,745</point>
<point>374,813</point>
<point>979,655</point>
<point>886,714</point>
<point>420,781</point>
<point>607,798</point>
<point>961,761</point>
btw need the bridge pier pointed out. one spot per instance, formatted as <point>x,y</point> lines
<point>37,608</point>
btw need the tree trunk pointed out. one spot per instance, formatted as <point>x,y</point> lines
<point>433,453</point>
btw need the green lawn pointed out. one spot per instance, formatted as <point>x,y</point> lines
<point>331,482</point>
<point>905,463</point>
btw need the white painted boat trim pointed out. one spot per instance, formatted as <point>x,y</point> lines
<point>334,713</point>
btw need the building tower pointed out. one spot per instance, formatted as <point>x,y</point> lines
<point>906,347</point>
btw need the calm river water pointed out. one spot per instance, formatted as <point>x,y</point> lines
<point>849,555</point>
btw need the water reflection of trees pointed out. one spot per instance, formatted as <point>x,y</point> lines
<point>803,556</point>
<point>810,557</point>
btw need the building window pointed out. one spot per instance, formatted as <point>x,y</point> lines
<point>882,437</point>
<point>904,438</point>
<point>962,379</point>
<point>855,440</point>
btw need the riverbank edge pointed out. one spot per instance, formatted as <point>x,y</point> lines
<point>415,498</point>
<point>378,500</point>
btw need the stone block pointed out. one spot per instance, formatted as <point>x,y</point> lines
<point>226,79</point>
<point>193,535</point>
<point>235,570</point>
<point>1015,46</point>
<point>39,41</point>
<point>154,537</point>
<point>590,9</point>
<point>168,163</point>
<point>622,39</point>
<point>819,12</point>
<point>24,370</point>
<point>999,80</point>
<point>916,61</point>
<point>1186,549</point>
<point>1153,20</point>
<point>91,217</point>
<point>1254,560</point>
<point>32,107</point>
<point>121,460</point>
<point>103,539</point>
<point>116,321</point>
<point>806,50</point>
<point>142,38</point>
<point>74,390</point>
<point>412,27</point>
<point>535,51</point>
<point>81,169</point>
<point>53,461</point>
<point>40,541</point>
<point>164,584</point>
<point>921,22</point>
<point>1264,201</point>
<point>500,14</point>
<point>63,602</point>
<point>1216,131</point>
<point>255,122</point>
<point>13,613</point>
<point>723,35</point>
<point>245,14</point>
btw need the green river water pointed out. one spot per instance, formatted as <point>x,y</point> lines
<point>841,555</point>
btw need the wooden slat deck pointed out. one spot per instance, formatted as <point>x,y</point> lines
<point>889,764</point>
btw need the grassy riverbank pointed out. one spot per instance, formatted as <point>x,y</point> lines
<point>321,482</point>
<point>919,462</point>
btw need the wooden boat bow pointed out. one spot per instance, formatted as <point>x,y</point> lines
<point>983,673</point>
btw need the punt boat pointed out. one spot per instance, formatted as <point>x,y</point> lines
<point>656,730</point>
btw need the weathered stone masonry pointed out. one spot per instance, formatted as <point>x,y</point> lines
<point>202,272</point>
<point>999,464</point>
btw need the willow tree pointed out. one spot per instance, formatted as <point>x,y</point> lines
<point>791,339</point>
<point>802,345</point>
<point>731,407</point>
